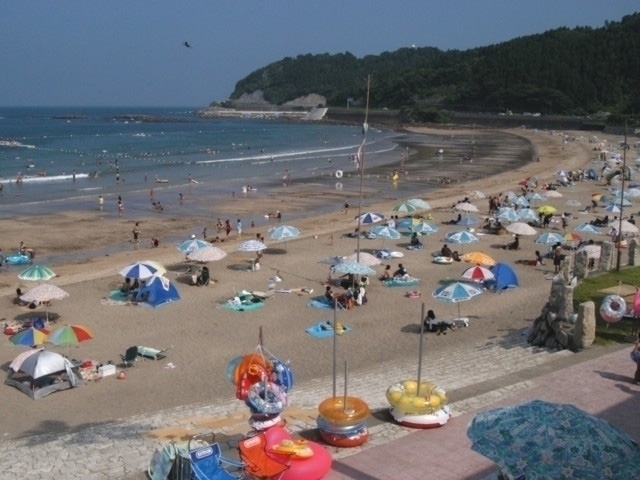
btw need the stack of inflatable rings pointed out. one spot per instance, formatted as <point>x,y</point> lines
<point>340,426</point>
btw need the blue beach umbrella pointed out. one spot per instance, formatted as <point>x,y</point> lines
<point>612,208</point>
<point>508,214</point>
<point>353,268</point>
<point>528,215</point>
<point>283,232</point>
<point>370,217</point>
<point>549,238</point>
<point>520,201</point>
<point>192,245</point>
<point>536,197</point>
<point>405,207</point>
<point>461,237</point>
<point>587,228</point>
<point>456,292</point>
<point>419,203</point>
<point>144,269</point>
<point>384,231</point>
<point>424,228</point>
<point>37,273</point>
<point>405,224</point>
<point>467,221</point>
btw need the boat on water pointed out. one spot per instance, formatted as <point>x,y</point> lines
<point>14,144</point>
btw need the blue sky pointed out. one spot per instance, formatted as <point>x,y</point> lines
<point>130,52</point>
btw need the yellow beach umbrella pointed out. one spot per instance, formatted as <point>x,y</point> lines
<point>480,258</point>
<point>547,210</point>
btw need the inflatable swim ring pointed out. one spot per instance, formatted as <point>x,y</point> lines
<point>17,259</point>
<point>254,374</point>
<point>231,368</point>
<point>295,448</point>
<point>442,260</point>
<point>313,468</point>
<point>338,185</point>
<point>613,308</point>
<point>334,410</point>
<point>429,420</point>
<point>273,400</point>
<point>263,421</point>
<point>406,399</point>
<point>281,374</point>
<point>339,173</point>
<point>345,437</point>
<point>414,294</point>
<point>243,366</point>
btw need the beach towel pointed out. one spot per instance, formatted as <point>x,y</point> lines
<point>116,297</point>
<point>324,329</point>
<point>396,282</point>
<point>319,302</point>
<point>242,303</point>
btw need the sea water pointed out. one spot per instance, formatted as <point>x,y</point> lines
<point>70,156</point>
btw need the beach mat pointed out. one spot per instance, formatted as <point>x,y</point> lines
<point>241,307</point>
<point>401,283</point>
<point>116,297</point>
<point>319,302</point>
<point>324,329</point>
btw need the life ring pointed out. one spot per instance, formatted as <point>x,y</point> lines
<point>263,421</point>
<point>338,185</point>
<point>281,374</point>
<point>345,437</point>
<point>430,420</point>
<point>405,398</point>
<point>294,448</point>
<point>334,410</point>
<point>254,374</point>
<point>339,173</point>
<point>414,294</point>
<point>613,308</point>
<point>242,366</point>
<point>273,400</point>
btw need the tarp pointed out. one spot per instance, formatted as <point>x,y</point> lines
<point>505,277</point>
<point>157,291</point>
<point>592,174</point>
<point>40,372</point>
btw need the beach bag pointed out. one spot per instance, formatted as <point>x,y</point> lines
<point>635,355</point>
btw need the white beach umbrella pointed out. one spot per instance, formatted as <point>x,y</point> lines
<point>553,194</point>
<point>424,228</point>
<point>252,246</point>
<point>528,214</point>
<point>419,203</point>
<point>192,245</point>
<point>44,292</point>
<point>207,254</point>
<point>521,228</point>
<point>625,226</point>
<point>364,258</point>
<point>573,203</point>
<point>466,207</point>
<point>405,207</point>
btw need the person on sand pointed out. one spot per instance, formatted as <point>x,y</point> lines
<point>445,251</point>
<point>401,273</point>
<point>635,356</point>
<point>227,227</point>
<point>386,275</point>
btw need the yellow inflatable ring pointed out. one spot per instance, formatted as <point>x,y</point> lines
<point>613,308</point>
<point>339,173</point>
<point>405,398</point>
<point>334,411</point>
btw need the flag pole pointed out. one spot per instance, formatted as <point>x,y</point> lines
<point>365,129</point>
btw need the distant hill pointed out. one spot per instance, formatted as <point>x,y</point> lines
<point>576,71</point>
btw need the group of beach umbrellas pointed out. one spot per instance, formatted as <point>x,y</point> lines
<point>64,336</point>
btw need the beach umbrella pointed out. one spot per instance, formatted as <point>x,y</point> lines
<point>477,194</point>
<point>520,228</point>
<point>364,258</point>
<point>596,197</point>
<point>621,202</point>
<point>528,214</point>
<point>353,268</point>
<point>478,273</point>
<point>593,251</point>
<point>536,197</point>
<point>465,207</point>
<point>30,337</point>
<point>331,261</point>
<point>419,203</point>
<point>69,335</point>
<point>283,232</point>
<point>612,208</point>
<point>405,224</point>
<point>479,258</point>
<point>208,254</point>
<point>572,237</point>
<point>625,227</point>
<point>573,203</point>
<point>385,232</point>
<point>251,246</point>
<point>462,236</point>
<point>520,201</point>
<point>370,218</point>
<point>547,210</point>
<point>192,245</point>
<point>553,194</point>
<point>405,207</point>
<point>44,293</point>
<point>543,440</point>
<point>633,192</point>
<point>549,238</point>
<point>508,214</point>
<point>587,228</point>
<point>467,221</point>
<point>142,270</point>
<point>508,195</point>
<point>456,292</point>
<point>37,273</point>
<point>38,363</point>
<point>424,228</point>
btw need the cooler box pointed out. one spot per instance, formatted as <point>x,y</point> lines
<point>107,370</point>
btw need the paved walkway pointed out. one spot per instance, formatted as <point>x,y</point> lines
<point>487,375</point>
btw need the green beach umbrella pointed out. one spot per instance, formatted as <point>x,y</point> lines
<point>37,273</point>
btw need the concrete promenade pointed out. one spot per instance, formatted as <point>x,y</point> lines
<point>487,375</point>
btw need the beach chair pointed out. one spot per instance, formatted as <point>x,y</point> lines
<point>207,463</point>
<point>152,353</point>
<point>129,356</point>
<point>259,462</point>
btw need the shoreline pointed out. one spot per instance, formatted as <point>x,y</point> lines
<point>205,337</point>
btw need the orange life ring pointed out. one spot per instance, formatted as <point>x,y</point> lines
<point>334,410</point>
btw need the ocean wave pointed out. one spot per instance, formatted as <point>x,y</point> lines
<point>45,178</point>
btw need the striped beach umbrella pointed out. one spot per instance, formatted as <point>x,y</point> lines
<point>30,337</point>
<point>192,245</point>
<point>143,269</point>
<point>419,203</point>
<point>405,207</point>
<point>70,335</point>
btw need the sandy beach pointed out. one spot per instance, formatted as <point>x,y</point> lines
<point>205,337</point>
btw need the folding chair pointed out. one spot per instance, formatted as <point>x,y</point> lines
<point>207,463</point>
<point>153,353</point>
<point>129,356</point>
<point>259,462</point>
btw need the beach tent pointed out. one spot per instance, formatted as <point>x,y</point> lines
<point>157,291</point>
<point>41,372</point>
<point>504,275</point>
